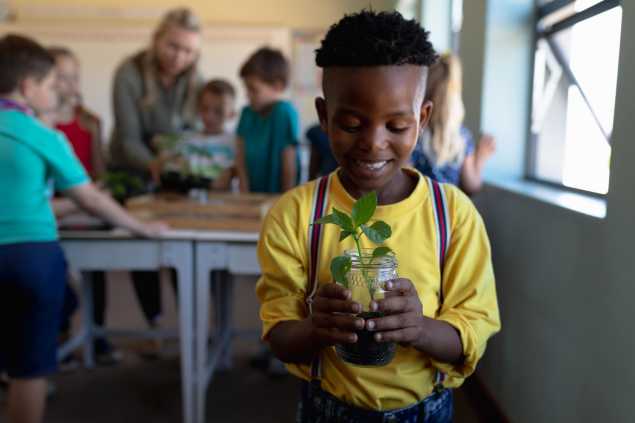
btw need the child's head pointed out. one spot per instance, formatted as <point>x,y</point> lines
<point>27,72</point>
<point>67,71</point>
<point>375,68</point>
<point>444,91</point>
<point>266,75</point>
<point>216,104</point>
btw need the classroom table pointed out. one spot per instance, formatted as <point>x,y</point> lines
<point>219,233</point>
<point>225,243</point>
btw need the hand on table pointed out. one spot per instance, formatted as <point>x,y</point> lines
<point>152,229</point>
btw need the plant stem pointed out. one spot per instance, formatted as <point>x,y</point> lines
<point>371,289</point>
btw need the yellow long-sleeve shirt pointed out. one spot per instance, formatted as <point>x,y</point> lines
<point>469,305</point>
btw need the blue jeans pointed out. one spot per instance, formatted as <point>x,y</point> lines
<point>32,281</point>
<point>318,406</point>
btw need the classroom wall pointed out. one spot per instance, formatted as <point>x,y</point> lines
<point>291,13</point>
<point>565,284</point>
<point>103,32</point>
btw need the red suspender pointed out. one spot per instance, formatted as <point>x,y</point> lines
<point>442,223</point>
<point>315,233</point>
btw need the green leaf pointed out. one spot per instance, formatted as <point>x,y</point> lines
<point>381,251</point>
<point>343,220</point>
<point>345,234</point>
<point>340,266</point>
<point>364,208</point>
<point>329,218</point>
<point>338,218</point>
<point>378,232</point>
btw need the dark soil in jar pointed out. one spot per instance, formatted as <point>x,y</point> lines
<point>366,351</point>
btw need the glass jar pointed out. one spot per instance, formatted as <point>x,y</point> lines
<point>367,281</point>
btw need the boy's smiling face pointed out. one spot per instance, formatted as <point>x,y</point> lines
<point>372,116</point>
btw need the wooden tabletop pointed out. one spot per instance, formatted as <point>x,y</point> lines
<point>221,212</point>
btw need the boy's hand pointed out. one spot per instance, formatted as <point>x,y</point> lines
<point>404,320</point>
<point>333,319</point>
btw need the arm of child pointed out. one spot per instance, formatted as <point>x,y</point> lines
<point>241,168</point>
<point>406,324</point>
<point>289,171</point>
<point>332,322</point>
<point>294,335</point>
<point>223,181</point>
<point>471,179</point>
<point>63,207</point>
<point>95,202</point>
<point>469,312</point>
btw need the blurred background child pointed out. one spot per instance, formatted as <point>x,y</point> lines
<point>32,266</point>
<point>268,130</point>
<point>210,153</point>
<point>445,150</point>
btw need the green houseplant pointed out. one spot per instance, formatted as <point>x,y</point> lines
<point>364,272</point>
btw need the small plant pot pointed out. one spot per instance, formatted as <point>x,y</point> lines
<point>174,182</point>
<point>366,280</point>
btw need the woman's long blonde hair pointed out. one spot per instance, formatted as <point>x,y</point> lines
<point>444,90</point>
<point>182,18</point>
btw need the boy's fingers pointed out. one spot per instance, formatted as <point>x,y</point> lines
<point>329,305</point>
<point>405,335</point>
<point>400,285</point>
<point>342,322</point>
<point>394,322</point>
<point>333,336</point>
<point>394,305</point>
<point>333,290</point>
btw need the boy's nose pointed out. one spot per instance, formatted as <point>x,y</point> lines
<point>373,139</point>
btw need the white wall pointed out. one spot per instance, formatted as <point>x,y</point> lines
<point>566,288</point>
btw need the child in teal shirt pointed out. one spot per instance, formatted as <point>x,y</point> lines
<point>32,264</point>
<point>268,130</point>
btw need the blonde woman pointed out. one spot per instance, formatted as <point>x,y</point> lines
<point>154,93</point>
<point>445,150</point>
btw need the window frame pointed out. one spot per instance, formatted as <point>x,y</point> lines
<point>546,33</point>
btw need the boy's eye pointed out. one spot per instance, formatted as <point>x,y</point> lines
<point>350,128</point>
<point>398,127</point>
<point>350,125</point>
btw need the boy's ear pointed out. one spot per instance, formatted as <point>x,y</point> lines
<point>424,114</point>
<point>320,107</point>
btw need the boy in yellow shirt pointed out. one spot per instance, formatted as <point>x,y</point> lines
<point>443,308</point>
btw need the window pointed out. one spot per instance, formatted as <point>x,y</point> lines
<point>575,79</point>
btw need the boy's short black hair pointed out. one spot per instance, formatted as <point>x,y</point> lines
<point>268,64</point>
<point>369,38</point>
<point>21,57</point>
<point>219,87</point>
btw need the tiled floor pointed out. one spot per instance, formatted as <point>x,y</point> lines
<point>149,391</point>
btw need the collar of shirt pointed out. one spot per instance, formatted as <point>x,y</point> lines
<point>8,104</point>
